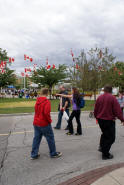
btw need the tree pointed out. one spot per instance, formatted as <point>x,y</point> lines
<point>116,75</point>
<point>49,77</point>
<point>92,69</point>
<point>7,78</point>
<point>3,55</point>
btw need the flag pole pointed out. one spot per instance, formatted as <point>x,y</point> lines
<point>24,80</point>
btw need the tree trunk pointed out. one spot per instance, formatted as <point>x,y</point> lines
<point>94,95</point>
<point>50,91</point>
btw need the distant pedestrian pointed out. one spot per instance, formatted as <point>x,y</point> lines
<point>42,126</point>
<point>63,106</point>
<point>107,109</point>
<point>121,100</point>
<point>76,101</point>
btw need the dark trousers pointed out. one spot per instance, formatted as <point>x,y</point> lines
<point>58,125</point>
<point>108,135</point>
<point>76,114</point>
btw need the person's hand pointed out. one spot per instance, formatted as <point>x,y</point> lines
<point>58,94</point>
<point>123,123</point>
<point>63,109</point>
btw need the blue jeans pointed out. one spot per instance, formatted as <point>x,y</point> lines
<point>58,125</point>
<point>39,132</point>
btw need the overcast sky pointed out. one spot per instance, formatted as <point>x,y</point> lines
<point>41,28</point>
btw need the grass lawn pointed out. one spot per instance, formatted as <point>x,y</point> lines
<point>16,105</point>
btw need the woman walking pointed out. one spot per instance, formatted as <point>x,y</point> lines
<point>76,101</point>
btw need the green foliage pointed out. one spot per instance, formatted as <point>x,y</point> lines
<point>49,77</point>
<point>3,55</point>
<point>116,75</point>
<point>7,78</point>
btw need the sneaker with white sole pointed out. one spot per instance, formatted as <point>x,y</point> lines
<point>57,155</point>
<point>36,157</point>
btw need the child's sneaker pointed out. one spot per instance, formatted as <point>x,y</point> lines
<point>36,157</point>
<point>57,155</point>
<point>69,134</point>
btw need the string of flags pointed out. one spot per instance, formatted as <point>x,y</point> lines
<point>3,64</point>
<point>28,58</point>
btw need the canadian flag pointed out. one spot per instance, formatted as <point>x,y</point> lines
<point>4,62</point>
<point>10,60</point>
<point>77,67</point>
<point>27,70</point>
<point>31,59</point>
<point>54,66</point>
<point>13,59</point>
<point>47,61</point>
<point>3,71</point>
<point>25,57</point>
<point>72,54</point>
<point>22,74</point>
<point>49,66</point>
<point>27,75</point>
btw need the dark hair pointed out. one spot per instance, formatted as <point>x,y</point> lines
<point>76,96</point>
<point>108,88</point>
<point>44,91</point>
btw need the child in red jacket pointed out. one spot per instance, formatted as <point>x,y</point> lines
<point>42,126</point>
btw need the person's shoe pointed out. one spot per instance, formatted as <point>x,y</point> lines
<point>69,134</point>
<point>36,157</point>
<point>100,149</point>
<point>56,128</point>
<point>57,155</point>
<point>110,156</point>
<point>77,134</point>
<point>66,128</point>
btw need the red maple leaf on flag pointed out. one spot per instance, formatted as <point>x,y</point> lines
<point>49,66</point>
<point>25,57</point>
<point>54,66</point>
<point>13,59</point>
<point>10,60</point>
<point>31,59</point>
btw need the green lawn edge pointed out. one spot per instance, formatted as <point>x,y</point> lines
<point>89,105</point>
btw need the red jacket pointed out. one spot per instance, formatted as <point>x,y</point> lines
<point>42,116</point>
<point>108,108</point>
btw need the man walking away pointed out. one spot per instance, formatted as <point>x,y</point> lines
<point>42,126</point>
<point>63,106</point>
<point>106,110</point>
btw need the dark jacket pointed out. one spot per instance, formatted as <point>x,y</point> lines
<point>42,116</point>
<point>107,108</point>
<point>65,100</point>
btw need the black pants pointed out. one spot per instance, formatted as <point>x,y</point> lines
<point>108,135</point>
<point>76,114</point>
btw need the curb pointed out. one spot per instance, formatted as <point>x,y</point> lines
<point>32,113</point>
<point>90,177</point>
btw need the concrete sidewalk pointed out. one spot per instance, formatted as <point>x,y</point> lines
<point>109,175</point>
<point>114,178</point>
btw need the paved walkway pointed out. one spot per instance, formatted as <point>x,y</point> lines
<point>110,175</point>
<point>80,155</point>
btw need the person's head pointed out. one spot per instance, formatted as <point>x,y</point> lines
<point>76,95</point>
<point>62,88</point>
<point>75,90</point>
<point>108,89</point>
<point>44,92</point>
